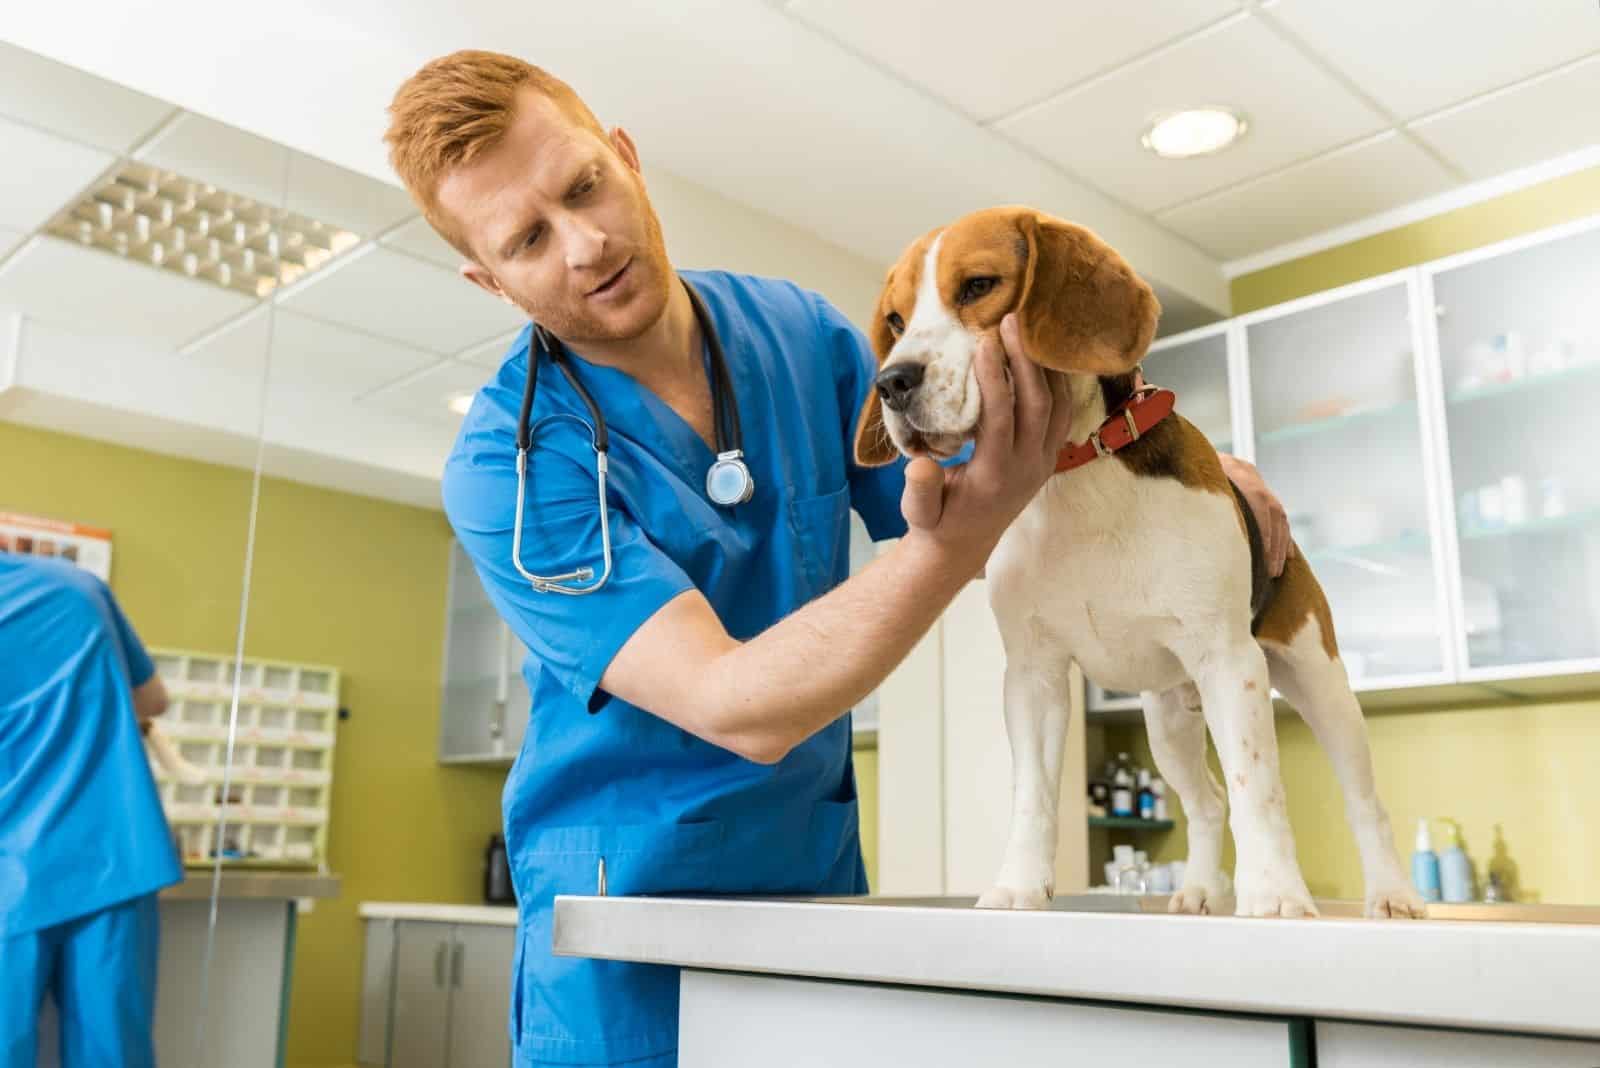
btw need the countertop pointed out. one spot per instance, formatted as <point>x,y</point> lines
<point>253,883</point>
<point>1527,969</point>
<point>494,915</point>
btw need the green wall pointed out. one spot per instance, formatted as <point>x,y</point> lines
<point>349,581</point>
<point>1519,778</point>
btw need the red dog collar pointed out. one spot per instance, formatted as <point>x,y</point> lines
<point>1131,421</point>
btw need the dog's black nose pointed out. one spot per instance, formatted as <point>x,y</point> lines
<point>897,383</point>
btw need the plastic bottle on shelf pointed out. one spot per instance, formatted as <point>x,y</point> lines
<point>1147,797</point>
<point>1455,869</point>
<point>1159,789</point>
<point>1122,794</point>
<point>1425,864</point>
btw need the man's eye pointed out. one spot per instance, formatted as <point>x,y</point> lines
<point>897,325</point>
<point>533,238</point>
<point>976,288</point>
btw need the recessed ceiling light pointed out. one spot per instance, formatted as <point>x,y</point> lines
<point>461,403</point>
<point>165,220</point>
<point>1193,132</point>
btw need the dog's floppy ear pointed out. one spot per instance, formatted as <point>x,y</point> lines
<point>1083,309</point>
<point>874,447</point>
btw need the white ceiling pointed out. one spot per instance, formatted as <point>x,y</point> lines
<point>860,123</point>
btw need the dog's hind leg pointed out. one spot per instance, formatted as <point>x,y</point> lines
<point>1230,672</point>
<point>1319,689</point>
<point>1177,730</point>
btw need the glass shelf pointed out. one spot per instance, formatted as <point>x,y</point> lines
<point>1413,543</point>
<point>1548,525</point>
<point>1527,382</point>
<point>1337,422</point>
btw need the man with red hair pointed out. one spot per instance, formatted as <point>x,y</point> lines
<point>690,728</point>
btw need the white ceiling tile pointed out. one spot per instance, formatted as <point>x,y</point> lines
<point>492,353</point>
<point>9,239</point>
<point>1377,175</point>
<point>418,238</point>
<point>1294,110</point>
<point>333,194</point>
<point>427,396</point>
<point>74,103</point>
<point>240,344</point>
<point>100,293</point>
<point>51,173</point>
<point>1531,122</point>
<point>1049,46</point>
<point>412,302</point>
<point>307,354</point>
<point>224,156</point>
<point>1415,56</point>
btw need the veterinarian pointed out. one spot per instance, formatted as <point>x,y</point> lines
<point>84,845</point>
<point>674,553</point>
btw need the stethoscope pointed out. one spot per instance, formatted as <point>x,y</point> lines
<point>728,481</point>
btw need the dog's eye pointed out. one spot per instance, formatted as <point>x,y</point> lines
<point>897,325</point>
<point>975,288</point>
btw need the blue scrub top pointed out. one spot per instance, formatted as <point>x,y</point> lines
<point>597,777</point>
<point>81,824</point>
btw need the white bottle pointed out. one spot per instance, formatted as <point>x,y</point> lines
<point>1159,788</point>
<point>1122,795</point>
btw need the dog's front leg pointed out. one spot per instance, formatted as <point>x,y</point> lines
<point>1236,699</point>
<point>1037,709</point>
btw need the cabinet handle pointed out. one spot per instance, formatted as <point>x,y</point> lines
<point>457,952</point>
<point>438,963</point>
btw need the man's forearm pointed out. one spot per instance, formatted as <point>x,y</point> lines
<point>776,690</point>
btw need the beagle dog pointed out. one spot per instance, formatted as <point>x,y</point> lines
<point>1135,560</point>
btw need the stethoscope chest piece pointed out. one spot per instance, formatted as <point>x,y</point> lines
<point>729,481</point>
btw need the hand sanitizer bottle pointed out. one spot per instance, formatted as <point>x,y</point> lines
<point>1425,864</point>
<point>1455,870</point>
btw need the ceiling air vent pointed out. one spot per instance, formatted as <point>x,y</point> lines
<point>165,220</point>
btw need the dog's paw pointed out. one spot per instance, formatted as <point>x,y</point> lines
<point>1010,897</point>
<point>1284,897</point>
<point>1398,902</point>
<point>1196,899</point>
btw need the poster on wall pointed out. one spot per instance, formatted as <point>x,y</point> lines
<point>31,535</point>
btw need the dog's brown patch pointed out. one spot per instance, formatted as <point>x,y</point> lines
<point>1297,599</point>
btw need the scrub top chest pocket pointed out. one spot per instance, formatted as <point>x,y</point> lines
<point>821,529</point>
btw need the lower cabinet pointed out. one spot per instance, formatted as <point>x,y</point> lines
<point>436,995</point>
<point>1357,1045</point>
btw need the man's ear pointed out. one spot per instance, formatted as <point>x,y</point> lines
<point>485,280</point>
<point>1083,309</point>
<point>622,141</point>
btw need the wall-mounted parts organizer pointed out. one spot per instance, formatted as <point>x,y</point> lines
<point>282,778</point>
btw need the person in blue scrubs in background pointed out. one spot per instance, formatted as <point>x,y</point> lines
<point>689,722</point>
<point>84,844</point>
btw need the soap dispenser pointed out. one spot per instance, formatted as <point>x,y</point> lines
<point>1425,864</point>
<point>1455,869</point>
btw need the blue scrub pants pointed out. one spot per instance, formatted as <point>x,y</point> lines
<point>101,969</point>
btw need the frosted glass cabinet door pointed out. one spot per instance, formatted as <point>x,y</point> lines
<point>1196,369</point>
<point>1519,352</point>
<point>1338,433</point>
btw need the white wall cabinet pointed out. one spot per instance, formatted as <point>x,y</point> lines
<point>1431,435</point>
<point>484,703</point>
